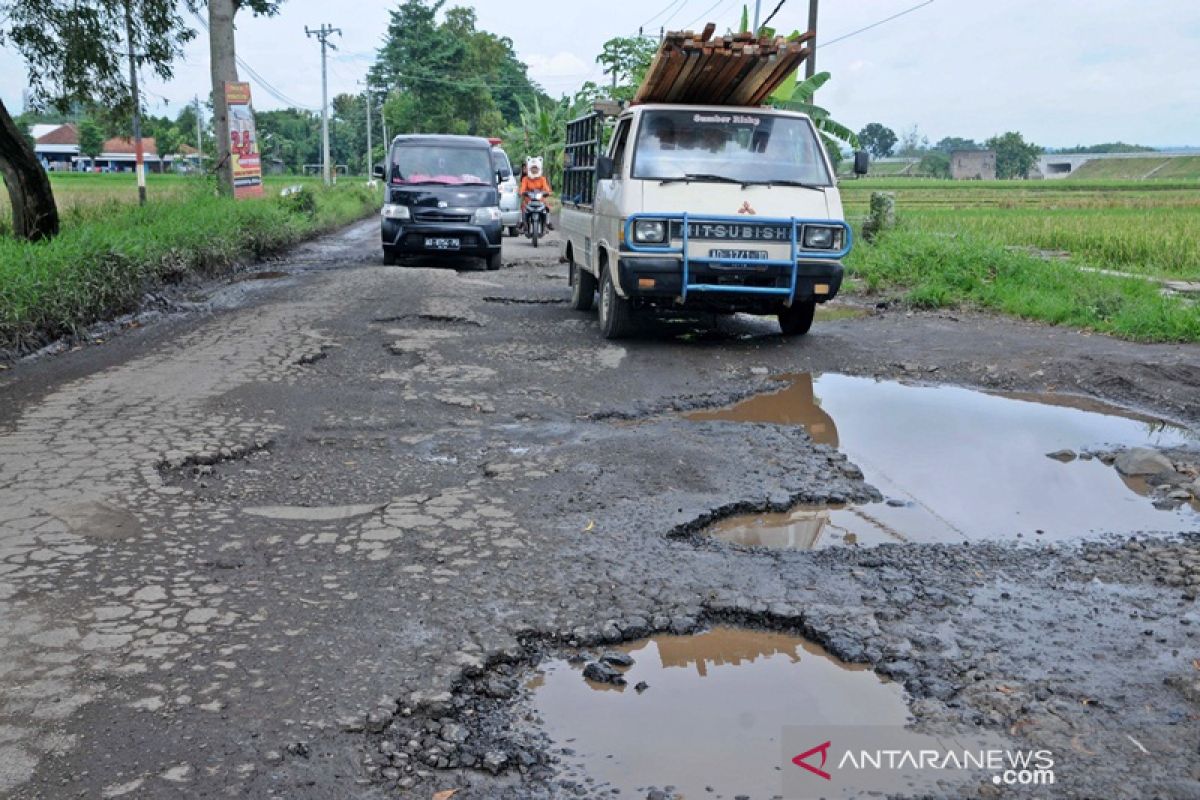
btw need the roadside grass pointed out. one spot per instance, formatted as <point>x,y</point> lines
<point>109,254</point>
<point>935,270</point>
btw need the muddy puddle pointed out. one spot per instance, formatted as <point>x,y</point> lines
<point>710,717</point>
<point>959,465</point>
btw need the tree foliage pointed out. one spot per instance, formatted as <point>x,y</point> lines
<point>91,138</point>
<point>949,144</point>
<point>799,97</point>
<point>878,139</point>
<point>1014,156</point>
<point>448,76</point>
<point>625,60</point>
<point>935,164</point>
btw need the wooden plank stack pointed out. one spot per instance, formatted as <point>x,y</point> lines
<point>736,70</point>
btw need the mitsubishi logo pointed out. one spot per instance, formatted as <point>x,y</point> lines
<point>442,204</point>
<point>746,208</point>
<point>823,749</point>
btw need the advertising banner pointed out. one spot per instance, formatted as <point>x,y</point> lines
<point>243,145</point>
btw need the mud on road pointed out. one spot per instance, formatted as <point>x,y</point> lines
<point>337,531</point>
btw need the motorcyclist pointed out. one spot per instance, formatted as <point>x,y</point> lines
<point>532,180</point>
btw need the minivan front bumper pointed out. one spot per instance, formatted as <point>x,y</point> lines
<point>408,237</point>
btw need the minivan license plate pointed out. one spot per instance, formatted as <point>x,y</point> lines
<point>442,244</point>
<point>741,258</point>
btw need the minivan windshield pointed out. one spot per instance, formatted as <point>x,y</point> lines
<point>439,164</point>
<point>725,146</point>
<point>502,165</point>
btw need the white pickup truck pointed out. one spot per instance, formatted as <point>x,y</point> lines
<point>718,208</point>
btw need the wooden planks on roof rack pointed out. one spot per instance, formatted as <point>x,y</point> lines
<point>736,70</point>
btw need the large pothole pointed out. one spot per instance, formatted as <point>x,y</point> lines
<point>958,465</point>
<point>700,715</point>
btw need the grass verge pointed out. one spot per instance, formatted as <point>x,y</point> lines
<point>935,270</point>
<point>104,261</point>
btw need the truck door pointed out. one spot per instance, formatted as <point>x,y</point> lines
<point>610,193</point>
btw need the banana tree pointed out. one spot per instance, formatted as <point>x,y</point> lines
<point>797,95</point>
<point>540,132</point>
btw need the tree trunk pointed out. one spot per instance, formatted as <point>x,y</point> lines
<point>224,68</point>
<point>35,216</point>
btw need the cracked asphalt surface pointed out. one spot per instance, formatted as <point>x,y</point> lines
<point>260,548</point>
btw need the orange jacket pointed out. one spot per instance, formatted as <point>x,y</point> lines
<point>529,184</point>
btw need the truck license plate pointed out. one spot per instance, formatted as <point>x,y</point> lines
<point>442,244</point>
<point>739,257</point>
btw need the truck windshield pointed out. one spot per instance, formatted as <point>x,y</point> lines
<point>433,164</point>
<point>728,146</point>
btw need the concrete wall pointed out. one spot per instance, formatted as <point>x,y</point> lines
<point>1060,165</point>
<point>973,165</point>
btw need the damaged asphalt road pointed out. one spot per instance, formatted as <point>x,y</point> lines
<point>311,542</point>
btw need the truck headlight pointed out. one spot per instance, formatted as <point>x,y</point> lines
<point>487,214</point>
<point>391,211</point>
<point>819,237</point>
<point>649,230</point>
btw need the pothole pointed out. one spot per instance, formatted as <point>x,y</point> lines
<point>703,714</point>
<point>955,464</point>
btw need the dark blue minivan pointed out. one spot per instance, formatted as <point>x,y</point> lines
<point>441,198</point>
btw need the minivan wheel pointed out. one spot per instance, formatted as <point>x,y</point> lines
<point>389,258</point>
<point>583,287</point>
<point>493,262</point>
<point>616,312</point>
<point>798,318</point>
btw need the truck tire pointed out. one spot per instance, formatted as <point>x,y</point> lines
<point>583,286</point>
<point>493,262</point>
<point>798,318</point>
<point>616,312</point>
<point>389,258</point>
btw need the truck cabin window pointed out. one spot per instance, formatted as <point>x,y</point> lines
<point>738,146</point>
<point>448,166</point>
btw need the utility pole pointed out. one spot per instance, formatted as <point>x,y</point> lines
<point>370,159</point>
<point>223,69</point>
<point>810,64</point>
<point>199,138</point>
<point>757,13</point>
<point>322,35</point>
<point>137,106</point>
<point>387,143</point>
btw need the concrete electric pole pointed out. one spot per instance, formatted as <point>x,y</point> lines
<point>322,34</point>
<point>757,12</point>
<point>139,156</point>
<point>810,63</point>
<point>199,139</point>
<point>370,165</point>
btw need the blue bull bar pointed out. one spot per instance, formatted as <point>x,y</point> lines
<point>685,221</point>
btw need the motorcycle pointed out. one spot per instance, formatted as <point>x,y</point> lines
<point>537,214</point>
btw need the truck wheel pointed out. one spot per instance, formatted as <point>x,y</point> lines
<point>616,312</point>
<point>493,262</point>
<point>796,320</point>
<point>389,258</point>
<point>583,287</point>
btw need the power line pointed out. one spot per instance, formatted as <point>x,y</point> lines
<point>665,10</point>
<point>706,12</point>
<point>876,24</point>
<point>674,14</point>
<point>259,79</point>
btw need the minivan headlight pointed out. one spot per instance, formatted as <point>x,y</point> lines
<point>818,237</point>
<point>487,214</point>
<point>649,230</point>
<point>392,211</point>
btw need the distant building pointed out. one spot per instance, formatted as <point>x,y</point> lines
<point>56,146</point>
<point>116,155</point>
<point>978,165</point>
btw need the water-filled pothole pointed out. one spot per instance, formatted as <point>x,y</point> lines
<point>956,464</point>
<point>711,713</point>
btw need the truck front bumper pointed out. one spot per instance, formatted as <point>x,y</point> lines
<point>658,280</point>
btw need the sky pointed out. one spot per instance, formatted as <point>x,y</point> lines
<point>1062,72</point>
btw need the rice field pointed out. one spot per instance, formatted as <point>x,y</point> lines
<point>1030,249</point>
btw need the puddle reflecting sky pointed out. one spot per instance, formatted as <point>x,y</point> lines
<point>714,711</point>
<point>967,465</point>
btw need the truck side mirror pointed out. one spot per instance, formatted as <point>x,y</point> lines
<point>377,171</point>
<point>604,168</point>
<point>862,162</point>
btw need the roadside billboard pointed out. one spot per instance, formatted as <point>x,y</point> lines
<point>243,145</point>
